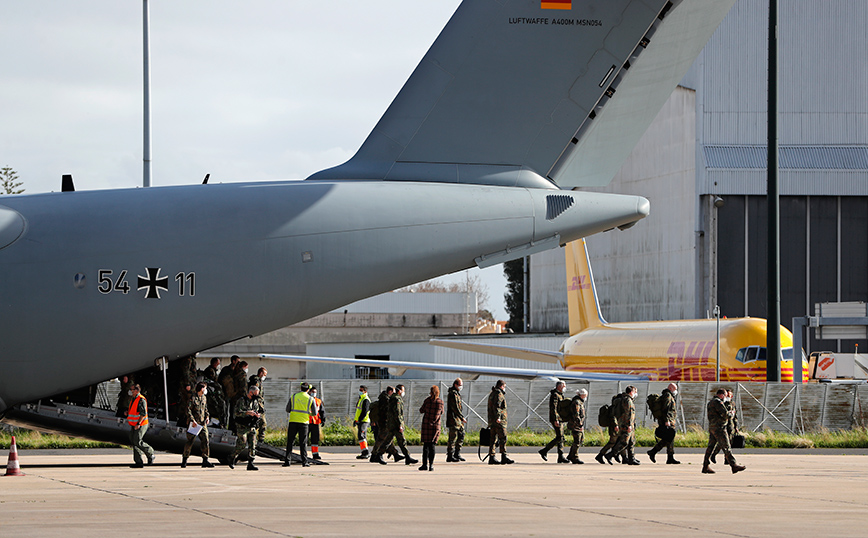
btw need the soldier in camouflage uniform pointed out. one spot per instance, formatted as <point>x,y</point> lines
<point>197,415</point>
<point>666,425</point>
<point>718,417</point>
<point>731,424</point>
<point>379,419</point>
<point>247,413</point>
<point>613,434</point>
<point>555,398</point>
<point>497,418</point>
<point>257,380</point>
<point>394,429</point>
<point>124,395</point>
<point>455,421</point>
<point>576,424</point>
<point>216,400</point>
<point>625,426</point>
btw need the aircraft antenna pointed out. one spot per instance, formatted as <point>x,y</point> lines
<point>146,172</point>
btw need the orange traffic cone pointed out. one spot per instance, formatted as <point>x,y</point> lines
<point>12,468</point>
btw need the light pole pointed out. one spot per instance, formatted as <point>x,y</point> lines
<point>717,367</point>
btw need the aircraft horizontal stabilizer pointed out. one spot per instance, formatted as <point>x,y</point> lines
<point>555,357</point>
<point>399,367</point>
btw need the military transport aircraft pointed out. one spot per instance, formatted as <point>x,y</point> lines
<point>512,104</point>
<point>679,350</point>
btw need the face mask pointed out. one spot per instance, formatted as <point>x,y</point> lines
<point>674,393</point>
<point>204,392</point>
<point>263,378</point>
<point>459,387</point>
<point>246,370</point>
<point>129,392</point>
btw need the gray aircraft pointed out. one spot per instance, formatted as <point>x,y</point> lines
<point>514,103</point>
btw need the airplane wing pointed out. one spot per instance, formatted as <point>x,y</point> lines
<point>555,357</point>
<point>471,372</point>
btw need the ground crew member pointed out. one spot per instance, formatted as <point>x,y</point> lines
<point>394,429</point>
<point>300,408</point>
<point>555,398</point>
<point>257,380</point>
<point>315,427</point>
<point>361,420</point>
<point>246,416</point>
<point>197,415</point>
<point>379,419</point>
<point>137,418</point>
<point>576,424</point>
<point>497,423</point>
<point>613,434</point>
<point>455,421</point>
<point>731,424</point>
<point>717,419</point>
<point>666,425</point>
<point>625,426</point>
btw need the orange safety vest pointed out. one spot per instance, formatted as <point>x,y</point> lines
<point>315,419</point>
<point>133,413</point>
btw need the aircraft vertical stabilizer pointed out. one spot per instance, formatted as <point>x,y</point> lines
<point>582,303</point>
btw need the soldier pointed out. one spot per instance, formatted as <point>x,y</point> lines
<point>666,425</point>
<point>226,381</point>
<point>455,421</point>
<point>555,398</point>
<point>216,400</point>
<point>731,424</point>
<point>613,434</point>
<point>717,419</point>
<point>379,417</point>
<point>625,426</point>
<point>257,380</point>
<point>576,424</point>
<point>300,408</point>
<point>246,415</point>
<point>137,418</point>
<point>124,395</point>
<point>497,423</point>
<point>189,374</point>
<point>361,420</point>
<point>239,380</point>
<point>197,418</point>
<point>394,429</point>
<point>315,426</point>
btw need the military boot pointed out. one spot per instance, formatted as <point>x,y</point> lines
<point>705,463</point>
<point>364,455</point>
<point>504,460</point>
<point>599,458</point>
<point>492,460</point>
<point>408,460</point>
<point>736,467</point>
<point>457,455</point>
<point>561,458</point>
<point>543,453</point>
<point>183,462</point>
<point>670,459</point>
<point>207,464</point>
<point>652,454</point>
<point>377,458</point>
<point>449,457</point>
<point>250,466</point>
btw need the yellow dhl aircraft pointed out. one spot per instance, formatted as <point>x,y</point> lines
<point>680,350</point>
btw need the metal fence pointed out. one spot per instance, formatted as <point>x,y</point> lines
<point>774,406</point>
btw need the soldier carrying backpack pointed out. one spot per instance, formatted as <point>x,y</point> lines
<point>606,420</point>
<point>663,410</point>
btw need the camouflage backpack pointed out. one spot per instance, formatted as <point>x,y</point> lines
<point>654,402</point>
<point>565,409</point>
<point>605,416</point>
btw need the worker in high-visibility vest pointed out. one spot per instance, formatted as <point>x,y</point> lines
<point>362,420</point>
<point>300,408</point>
<point>137,418</point>
<point>316,422</point>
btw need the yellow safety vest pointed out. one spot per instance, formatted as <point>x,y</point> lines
<point>367,417</point>
<point>301,408</point>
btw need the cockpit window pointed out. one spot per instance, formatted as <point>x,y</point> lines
<point>750,354</point>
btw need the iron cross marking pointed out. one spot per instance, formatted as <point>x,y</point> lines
<point>153,283</point>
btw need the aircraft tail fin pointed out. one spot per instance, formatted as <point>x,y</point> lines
<point>517,93</point>
<point>582,303</point>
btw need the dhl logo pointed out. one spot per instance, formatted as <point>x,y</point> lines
<point>581,282</point>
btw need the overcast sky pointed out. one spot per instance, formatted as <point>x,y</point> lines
<point>260,90</point>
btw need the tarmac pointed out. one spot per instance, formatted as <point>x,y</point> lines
<point>69,493</point>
